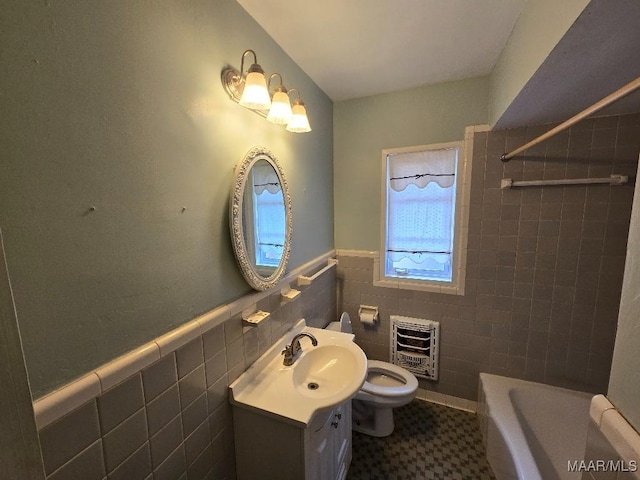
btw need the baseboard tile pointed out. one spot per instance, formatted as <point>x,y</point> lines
<point>448,400</point>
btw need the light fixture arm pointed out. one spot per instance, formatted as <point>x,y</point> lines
<point>255,61</point>
<point>298,100</point>
<point>291,90</point>
<point>279,88</point>
<point>255,67</point>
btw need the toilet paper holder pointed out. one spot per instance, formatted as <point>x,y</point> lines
<point>368,314</point>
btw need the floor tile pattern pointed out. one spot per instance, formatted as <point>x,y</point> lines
<point>430,441</point>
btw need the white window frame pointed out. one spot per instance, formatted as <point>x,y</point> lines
<point>461,219</point>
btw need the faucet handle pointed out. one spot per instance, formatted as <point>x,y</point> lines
<point>288,356</point>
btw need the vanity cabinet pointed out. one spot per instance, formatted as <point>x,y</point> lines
<point>272,448</point>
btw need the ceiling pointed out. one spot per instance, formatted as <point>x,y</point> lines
<point>599,54</point>
<point>357,48</point>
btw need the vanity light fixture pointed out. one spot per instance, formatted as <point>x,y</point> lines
<point>299,122</point>
<point>252,92</point>
<point>280,112</point>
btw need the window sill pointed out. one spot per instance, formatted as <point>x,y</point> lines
<point>417,285</point>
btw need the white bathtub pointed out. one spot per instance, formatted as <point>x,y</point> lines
<point>531,431</point>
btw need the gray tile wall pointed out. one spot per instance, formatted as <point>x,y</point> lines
<point>545,265</point>
<point>173,420</point>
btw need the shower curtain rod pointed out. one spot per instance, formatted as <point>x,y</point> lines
<point>606,101</point>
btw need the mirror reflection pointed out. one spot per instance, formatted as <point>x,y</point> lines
<point>263,215</point>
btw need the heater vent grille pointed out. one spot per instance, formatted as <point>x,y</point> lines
<point>414,345</point>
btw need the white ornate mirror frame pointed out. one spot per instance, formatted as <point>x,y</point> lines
<point>241,174</point>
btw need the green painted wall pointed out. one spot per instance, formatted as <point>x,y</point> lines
<point>539,28</point>
<point>119,105</point>
<point>21,457</point>
<point>365,126</point>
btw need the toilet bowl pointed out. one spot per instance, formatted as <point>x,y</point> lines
<point>386,387</point>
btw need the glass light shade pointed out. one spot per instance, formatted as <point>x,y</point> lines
<point>280,112</point>
<point>255,94</point>
<point>299,122</point>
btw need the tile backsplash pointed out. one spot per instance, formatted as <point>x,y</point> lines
<point>172,420</point>
<point>544,264</point>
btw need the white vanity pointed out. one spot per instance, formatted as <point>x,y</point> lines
<point>294,422</point>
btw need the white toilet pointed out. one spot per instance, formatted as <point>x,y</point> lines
<point>386,387</point>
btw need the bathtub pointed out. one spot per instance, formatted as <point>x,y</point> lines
<point>531,431</point>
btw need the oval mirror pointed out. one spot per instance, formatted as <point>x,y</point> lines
<point>260,217</point>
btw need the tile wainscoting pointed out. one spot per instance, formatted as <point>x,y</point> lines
<point>544,265</point>
<point>162,411</point>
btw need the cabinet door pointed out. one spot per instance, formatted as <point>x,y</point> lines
<point>342,440</point>
<point>319,450</point>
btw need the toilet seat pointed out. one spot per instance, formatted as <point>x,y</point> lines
<point>409,381</point>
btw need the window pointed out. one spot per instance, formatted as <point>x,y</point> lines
<point>268,216</point>
<point>421,224</point>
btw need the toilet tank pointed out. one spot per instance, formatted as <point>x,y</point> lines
<point>344,325</point>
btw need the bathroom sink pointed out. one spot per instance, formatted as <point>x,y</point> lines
<point>326,371</point>
<point>321,377</point>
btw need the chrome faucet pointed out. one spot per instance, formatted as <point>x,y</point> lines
<point>292,352</point>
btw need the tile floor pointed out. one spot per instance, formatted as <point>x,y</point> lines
<point>430,441</point>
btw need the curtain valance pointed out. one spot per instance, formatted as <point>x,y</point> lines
<point>422,168</point>
<point>264,178</point>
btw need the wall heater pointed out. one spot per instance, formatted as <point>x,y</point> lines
<point>414,345</point>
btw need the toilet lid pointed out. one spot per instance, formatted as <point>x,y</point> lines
<point>409,381</point>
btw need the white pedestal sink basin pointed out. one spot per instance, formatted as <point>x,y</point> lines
<point>327,371</point>
<point>322,377</point>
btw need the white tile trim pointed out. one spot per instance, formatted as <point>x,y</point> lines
<point>623,438</point>
<point>619,433</point>
<point>478,128</point>
<point>175,339</point>
<point>57,404</point>
<point>244,302</point>
<point>123,367</point>
<point>357,253</point>
<point>599,404</point>
<point>214,318</point>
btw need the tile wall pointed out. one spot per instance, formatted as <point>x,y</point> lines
<point>545,265</point>
<point>172,420</point>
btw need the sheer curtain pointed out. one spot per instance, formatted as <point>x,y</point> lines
<point>420,214</point>
<point>269,215</point>
<point>270,228</point>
